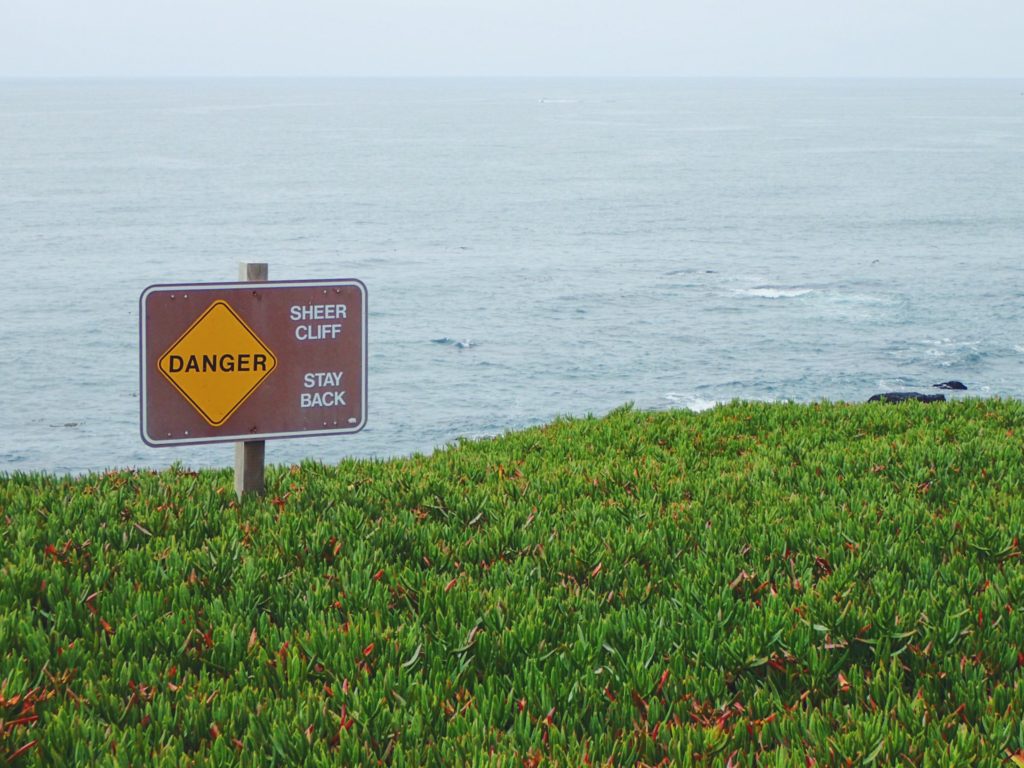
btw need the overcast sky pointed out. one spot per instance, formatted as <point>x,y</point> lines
<point>929,38</point>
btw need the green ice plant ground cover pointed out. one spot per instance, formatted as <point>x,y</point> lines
<point>760,584</point>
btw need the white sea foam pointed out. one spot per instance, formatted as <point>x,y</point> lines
<point>766,292</point>
<point>692,402</point>
<point>950,347</point>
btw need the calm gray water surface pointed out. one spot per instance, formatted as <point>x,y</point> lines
<point>531,247</point>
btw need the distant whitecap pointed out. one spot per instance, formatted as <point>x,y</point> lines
<point>766,292</point>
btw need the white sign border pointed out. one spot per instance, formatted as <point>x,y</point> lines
<point>246,436</point>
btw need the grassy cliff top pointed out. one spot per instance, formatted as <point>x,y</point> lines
<point>759,584</point>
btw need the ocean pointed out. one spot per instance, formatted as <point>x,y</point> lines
<point>531,248</point>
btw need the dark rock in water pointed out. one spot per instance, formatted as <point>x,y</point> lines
<point>899,397</point>
<point>950,385</point>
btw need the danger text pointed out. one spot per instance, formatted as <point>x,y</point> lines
<point>223,363</point>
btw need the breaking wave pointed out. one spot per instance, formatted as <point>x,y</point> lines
<point>767,292</point>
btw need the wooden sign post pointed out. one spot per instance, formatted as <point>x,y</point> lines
<point>250,455</point>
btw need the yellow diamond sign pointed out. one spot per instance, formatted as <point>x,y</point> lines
<point>217,363</point>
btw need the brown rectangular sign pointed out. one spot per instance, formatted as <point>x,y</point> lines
<point>252,361</point>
